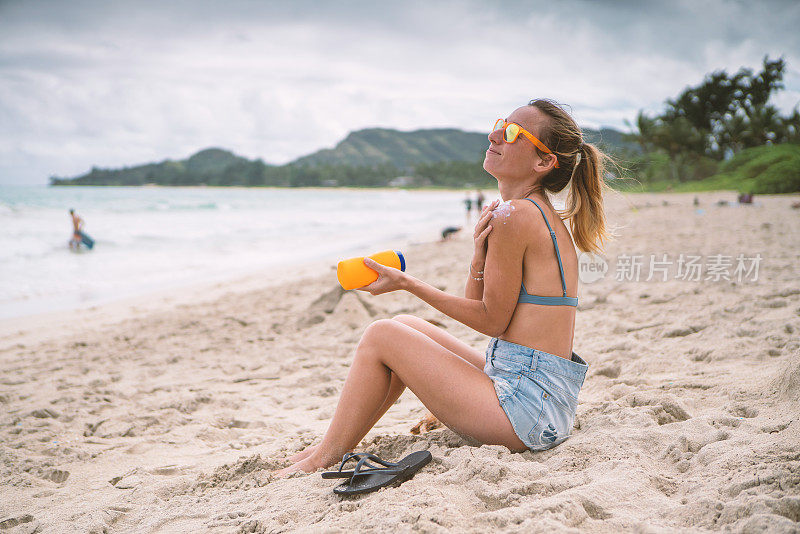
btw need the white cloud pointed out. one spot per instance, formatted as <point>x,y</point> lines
<point>111,84</point>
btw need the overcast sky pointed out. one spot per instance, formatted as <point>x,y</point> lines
<point>108,83</point>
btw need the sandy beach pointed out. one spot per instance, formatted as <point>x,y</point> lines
<point>169,415</point>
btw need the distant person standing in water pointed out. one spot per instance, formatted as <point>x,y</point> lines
<point>78,237</point>
<point>479,201</point>
<point>468,204</point>
<point>77,224</point>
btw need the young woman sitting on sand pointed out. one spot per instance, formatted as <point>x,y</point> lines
<point>521,290</point>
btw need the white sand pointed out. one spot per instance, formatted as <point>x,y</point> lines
<point>169,416</point>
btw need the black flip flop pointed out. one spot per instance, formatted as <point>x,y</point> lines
<point>361,461</point>
<point>364,480</point>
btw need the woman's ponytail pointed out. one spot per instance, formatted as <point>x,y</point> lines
<point>582,168</point>
<point>585,204</point>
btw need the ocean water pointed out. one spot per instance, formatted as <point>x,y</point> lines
<point>148,239</point>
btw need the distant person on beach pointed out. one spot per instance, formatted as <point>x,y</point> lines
<point>468,205</point>
<point>521,289</point>
<point>78,236</point>
<point>449,231</point>
<point>479,199</point>
<point>77,225</point>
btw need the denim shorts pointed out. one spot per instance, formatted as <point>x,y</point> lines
<point>537,390</point>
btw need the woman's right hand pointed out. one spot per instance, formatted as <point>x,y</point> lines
<point>482,230</point>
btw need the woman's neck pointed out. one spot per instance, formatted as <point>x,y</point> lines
<point>515,191</point>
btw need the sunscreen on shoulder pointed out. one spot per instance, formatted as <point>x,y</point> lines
<point>503,210</point>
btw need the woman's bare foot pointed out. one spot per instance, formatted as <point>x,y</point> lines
<point>307,465</point>
<point>302,455</point>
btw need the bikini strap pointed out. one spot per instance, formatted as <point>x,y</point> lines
<point>555,243</point>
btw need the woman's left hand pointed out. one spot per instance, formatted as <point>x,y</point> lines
<point>389,278</point>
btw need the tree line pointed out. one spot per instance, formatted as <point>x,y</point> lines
<point>257,174</point>
<point>706,126</point>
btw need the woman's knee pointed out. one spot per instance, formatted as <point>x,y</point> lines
<point>406,318</point>
<point>379,326</point>
<point>378,332</point>
<point>417,323</point>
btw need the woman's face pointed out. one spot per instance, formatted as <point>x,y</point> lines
<point>518,160</point>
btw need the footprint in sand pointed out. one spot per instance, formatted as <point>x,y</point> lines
<point>742,410</point>
<point>664,408</point>
<point>610,370</point>
<point>773,304</point>
<point>56,475</point>
<point>237,423</point>
<point>12,522</point>
<point>254,525</point>
<point>45,413</point>
<point>775,428</point>
<point>700,355</point>
<point>129,480</point>
<point>112,514</point>
<point>227,520</point>
<point>682,451</point>
<point>731,422</point>
<point>683,331</point>
<point>91,428</point>
<point>167,470</point>
<point>747,332</point>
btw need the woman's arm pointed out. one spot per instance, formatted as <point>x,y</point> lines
<point>474,288</point>
<point>468,311</point>
<point>502,275</point>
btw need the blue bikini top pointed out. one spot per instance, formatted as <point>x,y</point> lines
<point>563,300</point>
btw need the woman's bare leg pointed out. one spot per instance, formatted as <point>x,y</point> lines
<point>438,335</point>
<point>458,394</point>
<point>396,386</point>
<point>443,338</point>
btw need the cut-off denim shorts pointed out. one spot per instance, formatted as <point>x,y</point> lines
<point>537,390</point>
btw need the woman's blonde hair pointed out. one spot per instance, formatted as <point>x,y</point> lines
<point>582,164</point>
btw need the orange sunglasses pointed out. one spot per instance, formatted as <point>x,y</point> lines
<point>511,131</point>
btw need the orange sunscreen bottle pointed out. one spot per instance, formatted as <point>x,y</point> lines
<point>352,273</point>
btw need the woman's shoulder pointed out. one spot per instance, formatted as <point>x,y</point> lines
<point>519,219</point>
<point>536,218</point>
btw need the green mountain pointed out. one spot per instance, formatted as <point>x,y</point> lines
<point>209,165</point>
<point>370,157</point>
<point>374,146</point>
<point>612,141</point>
<point>212,160</point>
